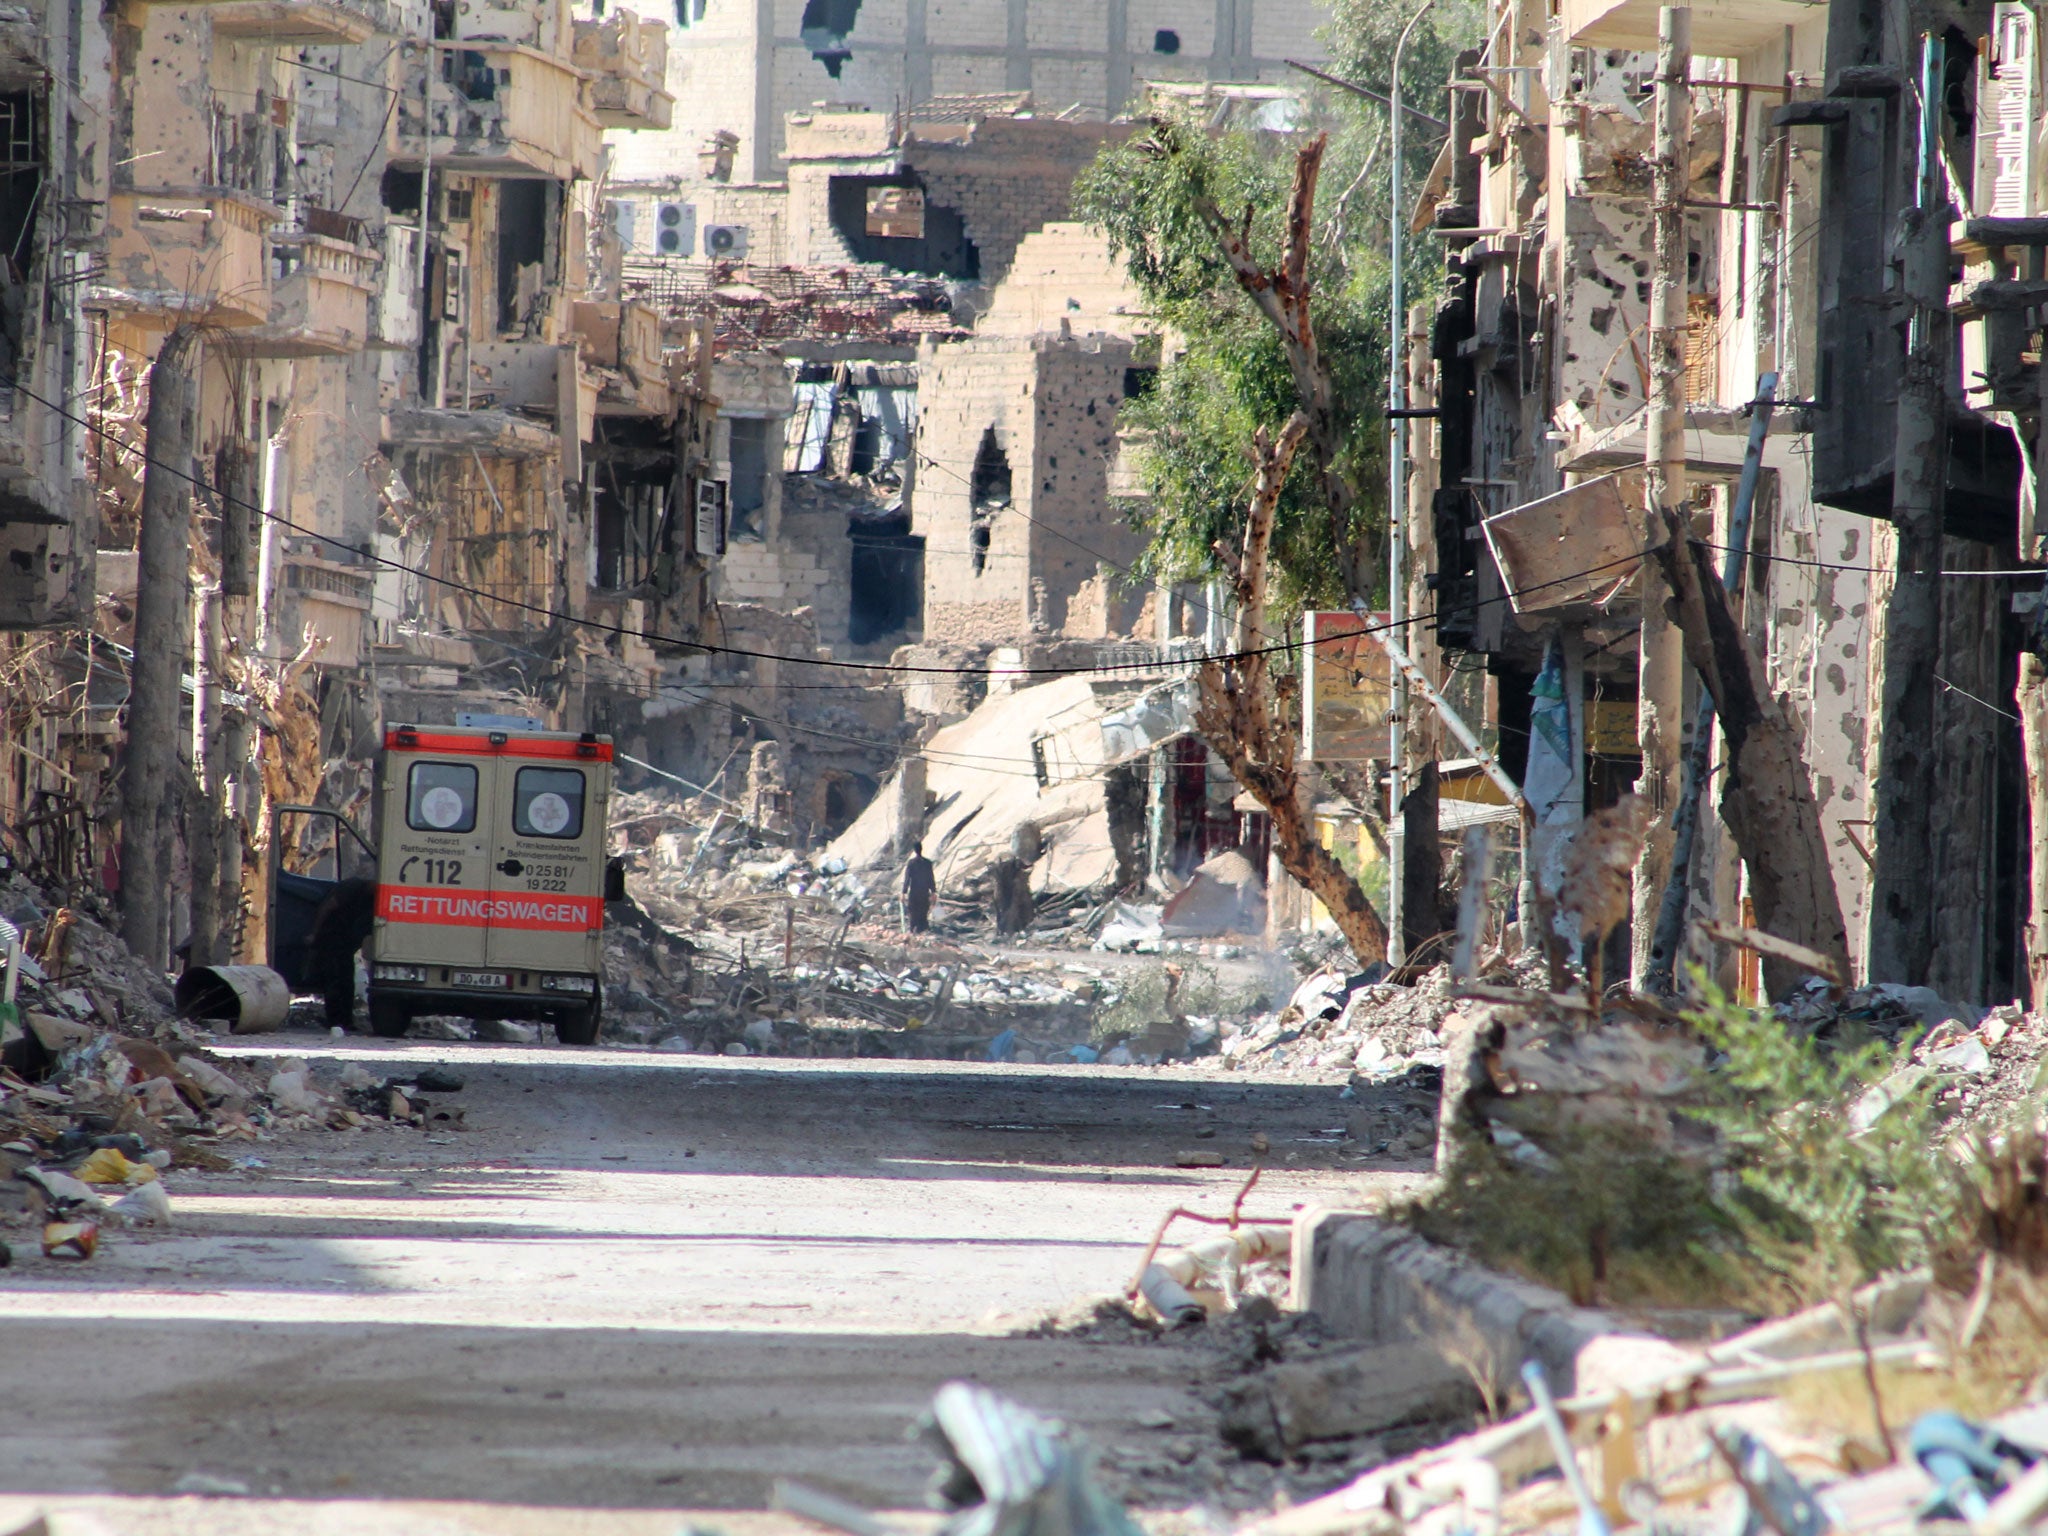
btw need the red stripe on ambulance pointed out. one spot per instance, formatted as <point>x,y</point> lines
<point>485,909</point>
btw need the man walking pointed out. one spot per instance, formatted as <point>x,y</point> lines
<point>919,884</point>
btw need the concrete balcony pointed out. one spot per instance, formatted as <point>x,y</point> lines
<point>500,109</point>
<point>621,344</point>
<point>320,299</point>
<point>1723,31</point>
<point>198,256</point>
<point>627,60</point>
<point>300,23</point>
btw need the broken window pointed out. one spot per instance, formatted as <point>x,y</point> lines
<point>825,28</point>
<point>896,213</point>
<point>989,493</point>
<point>749,456</point>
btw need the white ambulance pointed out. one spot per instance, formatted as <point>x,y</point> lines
<point>491,878</point>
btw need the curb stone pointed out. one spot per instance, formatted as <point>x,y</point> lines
<point>1373,1281</point>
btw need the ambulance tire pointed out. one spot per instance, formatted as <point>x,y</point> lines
<point>389,1018</point>
<point>580,1027</point>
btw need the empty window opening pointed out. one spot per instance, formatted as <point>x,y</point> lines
<point>887,570</point>
<point>896,213</point>
<point>991,484</point>
<point>1140,382</point>
<point>989,491</point>
<point>525,209</point>
<point>749,456</point>
<point>22,141</point>
<point>892,220</point>
<point>1166,40</point>
<point>825,28</point>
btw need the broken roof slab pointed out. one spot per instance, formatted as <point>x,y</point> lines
<point>495,434</point>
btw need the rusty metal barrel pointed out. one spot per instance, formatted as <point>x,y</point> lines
<point>249,998</point>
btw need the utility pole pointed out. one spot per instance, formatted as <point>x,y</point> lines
<point>1397,499</point>
<point>163,549</point>
<point>1660,675</point>
<point>1902,908</point>
<point>1422,871</point>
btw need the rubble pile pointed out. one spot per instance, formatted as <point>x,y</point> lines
<point>103,1092</point>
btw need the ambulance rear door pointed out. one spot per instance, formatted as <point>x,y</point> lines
<point>434,890</point>
<point>547,854</point>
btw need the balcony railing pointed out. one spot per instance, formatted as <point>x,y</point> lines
<point>500,109</point>
<point>191,255</point>
<point>627,59</point>
<point>320,298</point>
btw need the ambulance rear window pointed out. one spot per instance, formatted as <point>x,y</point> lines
<point>548,802</point>
<point>441,797</point>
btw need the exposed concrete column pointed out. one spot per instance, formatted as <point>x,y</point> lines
<point>163,596</point>
<point>1902,768</point>
<point>1660,676</point>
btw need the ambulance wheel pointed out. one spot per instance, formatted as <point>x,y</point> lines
<point>389,1018</point>
<point>580,1027</point>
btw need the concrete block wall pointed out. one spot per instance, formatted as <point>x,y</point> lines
<point>1064,274</point>
<point>965,389</point>
<point>1052,403</point>
<point>1009,178</point>
<point>1077,537</point>
<point>745,64</point>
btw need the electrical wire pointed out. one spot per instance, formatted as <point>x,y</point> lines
<point>710,648</point>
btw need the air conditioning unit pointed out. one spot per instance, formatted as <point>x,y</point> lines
<point>710,518</point>
<point>623,215</point>
<point>725,242</point>
<point>674,231</point>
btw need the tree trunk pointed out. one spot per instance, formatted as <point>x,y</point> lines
<point>1767,798</point>
<point>1422,872</point>
<point>1240,714</point>
<point>162,614</point>
<point>2033,703</point>
<point>1660,674</point>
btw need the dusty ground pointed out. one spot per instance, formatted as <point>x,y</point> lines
<point>629,1285</point>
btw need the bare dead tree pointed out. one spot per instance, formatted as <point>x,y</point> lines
<point>1282,296</point>
<point>1243,711</point>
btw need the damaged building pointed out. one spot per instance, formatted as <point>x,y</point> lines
<point>1805,155</point>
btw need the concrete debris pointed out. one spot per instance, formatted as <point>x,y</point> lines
<point>1009,1472</point>
<point>1337,1396</point>
<point>103,1092</point>
<point>1226,894</point>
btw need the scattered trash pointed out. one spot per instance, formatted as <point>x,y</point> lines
<point>209,1486</point>
<point>76,1240</point>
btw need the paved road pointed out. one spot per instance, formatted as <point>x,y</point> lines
<point>629,1284</point>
